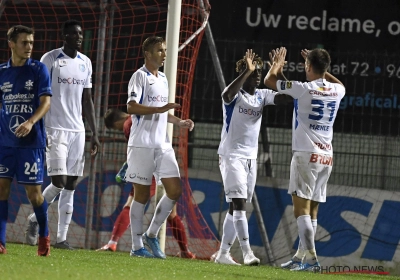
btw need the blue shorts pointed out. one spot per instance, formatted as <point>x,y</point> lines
<point>26,165</point>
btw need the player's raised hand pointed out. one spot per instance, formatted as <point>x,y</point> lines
<point>249,58</point>
<point>279,56</point>
<point>23,129</point>
<point>94,145</point>
<point>167,107</point>
<point>189,124</point>
<point>304,53</point>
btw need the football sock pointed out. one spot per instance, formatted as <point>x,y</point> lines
<point>136,217</point>
<point>65,210</point>
<point>41,216</point>
<point>163,209</point>
<point>228,235</point>
<point>3,221</point>
<point>178,230</point>
<point>121,224</point>
<point>50,193</point>
<point>242,230</point>
<point>306,234</point>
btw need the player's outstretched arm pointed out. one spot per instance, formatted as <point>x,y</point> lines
<point>188,124</point>
<point>278,62</point>
<point>139,109</point>
<point>26,127</point>
<point>89,114</point>
<point>232,89</point>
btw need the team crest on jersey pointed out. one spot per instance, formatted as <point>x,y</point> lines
<point>29,84</point>
<point>15,122</point>
<point>288,84</point>
<point>259,99</point>
<point>82,67</point>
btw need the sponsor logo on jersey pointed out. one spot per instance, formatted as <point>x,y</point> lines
<point>133,94</point>
<point>15,122</point>
<point>29,84</point>
<point>158,98</point>
<point>316,92</point>
<point>3,169</point>
<point>52,170</point>
<point>132,175</point>
<point>250,112</point>
<point>82,67</point>
<point>71,81</point>
<point>283,85</point>
<point>6,87</point>
<point>321,159</point>
<point>19,97</point>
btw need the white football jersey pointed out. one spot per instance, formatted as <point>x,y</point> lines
<point>315,107</point>
<point>242,122</point>
<point>149,131</point>
<point>69,76</point>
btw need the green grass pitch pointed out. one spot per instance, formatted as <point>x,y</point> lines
<point>21,262</point>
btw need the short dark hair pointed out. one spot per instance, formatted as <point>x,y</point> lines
<point>320,60</point>
<point>112,116</point>
<point>13,32</point>
<point>149,43</point>
<point>66,25</point>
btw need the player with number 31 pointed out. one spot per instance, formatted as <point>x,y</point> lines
<point>315,107</point>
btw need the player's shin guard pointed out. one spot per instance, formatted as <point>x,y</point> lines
<point>41,216</point>
<point>3,221</point>
<point>65,210</point>
<point>163,209</point>
<point>136,218</point>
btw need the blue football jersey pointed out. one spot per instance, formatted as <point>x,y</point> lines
<point>20,89</point>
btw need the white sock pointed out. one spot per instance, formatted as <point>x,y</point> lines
<point>300,251</point>
<point>136,216</point>
<point>50,193</point>
<point>163,209</point>
<point>112,242</point>
<point>314,225</point>
<point>242,230</point>
<point>306,234</point>
<point>228,235</point>
<point>65,210</point>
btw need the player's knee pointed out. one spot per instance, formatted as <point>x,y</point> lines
<point>36,198</point>
<point>174,193</point>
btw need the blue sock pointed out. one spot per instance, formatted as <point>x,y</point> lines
<point>41,217</point>
<point>3,221</point>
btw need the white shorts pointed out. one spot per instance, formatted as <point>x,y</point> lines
<point>65,152</point>
<point>143,163</point>
<point>238,176</point>
<point>309,174</point>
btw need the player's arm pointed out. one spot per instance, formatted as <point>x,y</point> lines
<point>26,127</point>
<point>232,89</point>
<point>138,109</point>
<point>277,64</point>
<point>328,76</point>
<point>189,124</point>
<point>88,108</point>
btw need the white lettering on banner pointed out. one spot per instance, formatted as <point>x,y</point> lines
<point>255,17</point>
